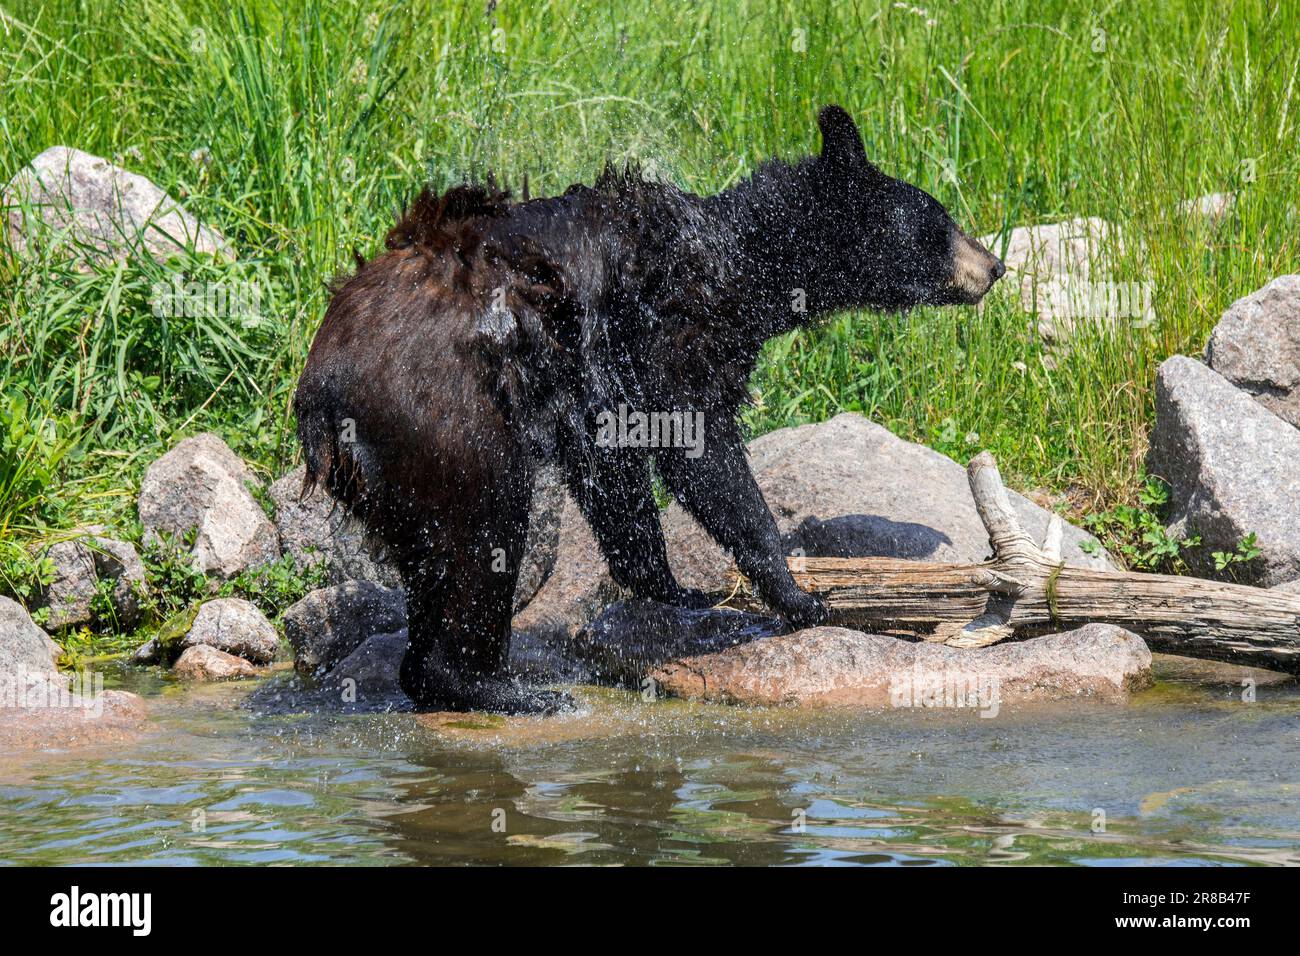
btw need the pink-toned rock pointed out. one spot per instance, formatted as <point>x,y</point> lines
<point>205,663</point>
<point>1233,469</point>
<point>836,667</point>
<point>1057,267</point>
<point>24,648</point>
<point>41,708</point>
<point>112,716</point>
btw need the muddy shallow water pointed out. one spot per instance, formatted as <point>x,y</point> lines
<point>1188,773</point>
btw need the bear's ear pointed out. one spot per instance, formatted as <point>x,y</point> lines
<point>841,141</point>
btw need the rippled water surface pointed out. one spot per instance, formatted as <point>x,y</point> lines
<point>1186,774</point>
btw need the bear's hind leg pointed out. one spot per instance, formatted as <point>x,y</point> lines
<point>458,610</point>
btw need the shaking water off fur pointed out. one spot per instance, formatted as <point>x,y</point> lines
<point>492,335</point>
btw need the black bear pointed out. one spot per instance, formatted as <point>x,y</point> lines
<point>610,329</point>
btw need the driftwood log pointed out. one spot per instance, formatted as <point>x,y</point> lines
<point>1026,589</point>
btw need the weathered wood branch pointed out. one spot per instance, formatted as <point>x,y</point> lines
<point>1026,589</point>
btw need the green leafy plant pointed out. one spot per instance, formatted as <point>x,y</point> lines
<point>35,443</point>
<point>101,602</point>
<point>263,497</point>
<point>173,582</point>
<point>1247,550</point>
<point>23,573</point>
<point>274,586</point>
<point>1136,533</point>
<point>80,644</point>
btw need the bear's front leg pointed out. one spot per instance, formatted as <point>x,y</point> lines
<point>720,492</point>
<point>612,489</point>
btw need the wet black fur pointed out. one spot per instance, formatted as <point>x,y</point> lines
<point>490,334</point>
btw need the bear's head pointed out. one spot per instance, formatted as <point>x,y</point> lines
<point>888,245</point>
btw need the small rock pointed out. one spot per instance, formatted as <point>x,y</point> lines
<point>202,484</point>
<point>1233,468</point>
<point>315,529</point>
<point>80,563</point>
<point>330,623</point>
<point>1070,247</point>
<point>24,648</point>
<point>204,663</point>
<point>234,626</point>
<point>69,594</point>
<point>73,585</point>
<point>99,210</point>
<point>1209,209</point>
<point>373,668</point>
<point>150,652</point>
<point>1256,346</point>
<point>831,666</point>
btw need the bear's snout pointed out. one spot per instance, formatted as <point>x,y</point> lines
<point>974,268</point>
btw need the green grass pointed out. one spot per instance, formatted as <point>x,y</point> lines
<point>318,119</point>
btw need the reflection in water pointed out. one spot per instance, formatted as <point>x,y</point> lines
<point>1186,774</point>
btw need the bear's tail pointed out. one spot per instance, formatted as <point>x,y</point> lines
<point>335,460</point>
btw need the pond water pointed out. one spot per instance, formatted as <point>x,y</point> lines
<point>1186,774</point>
